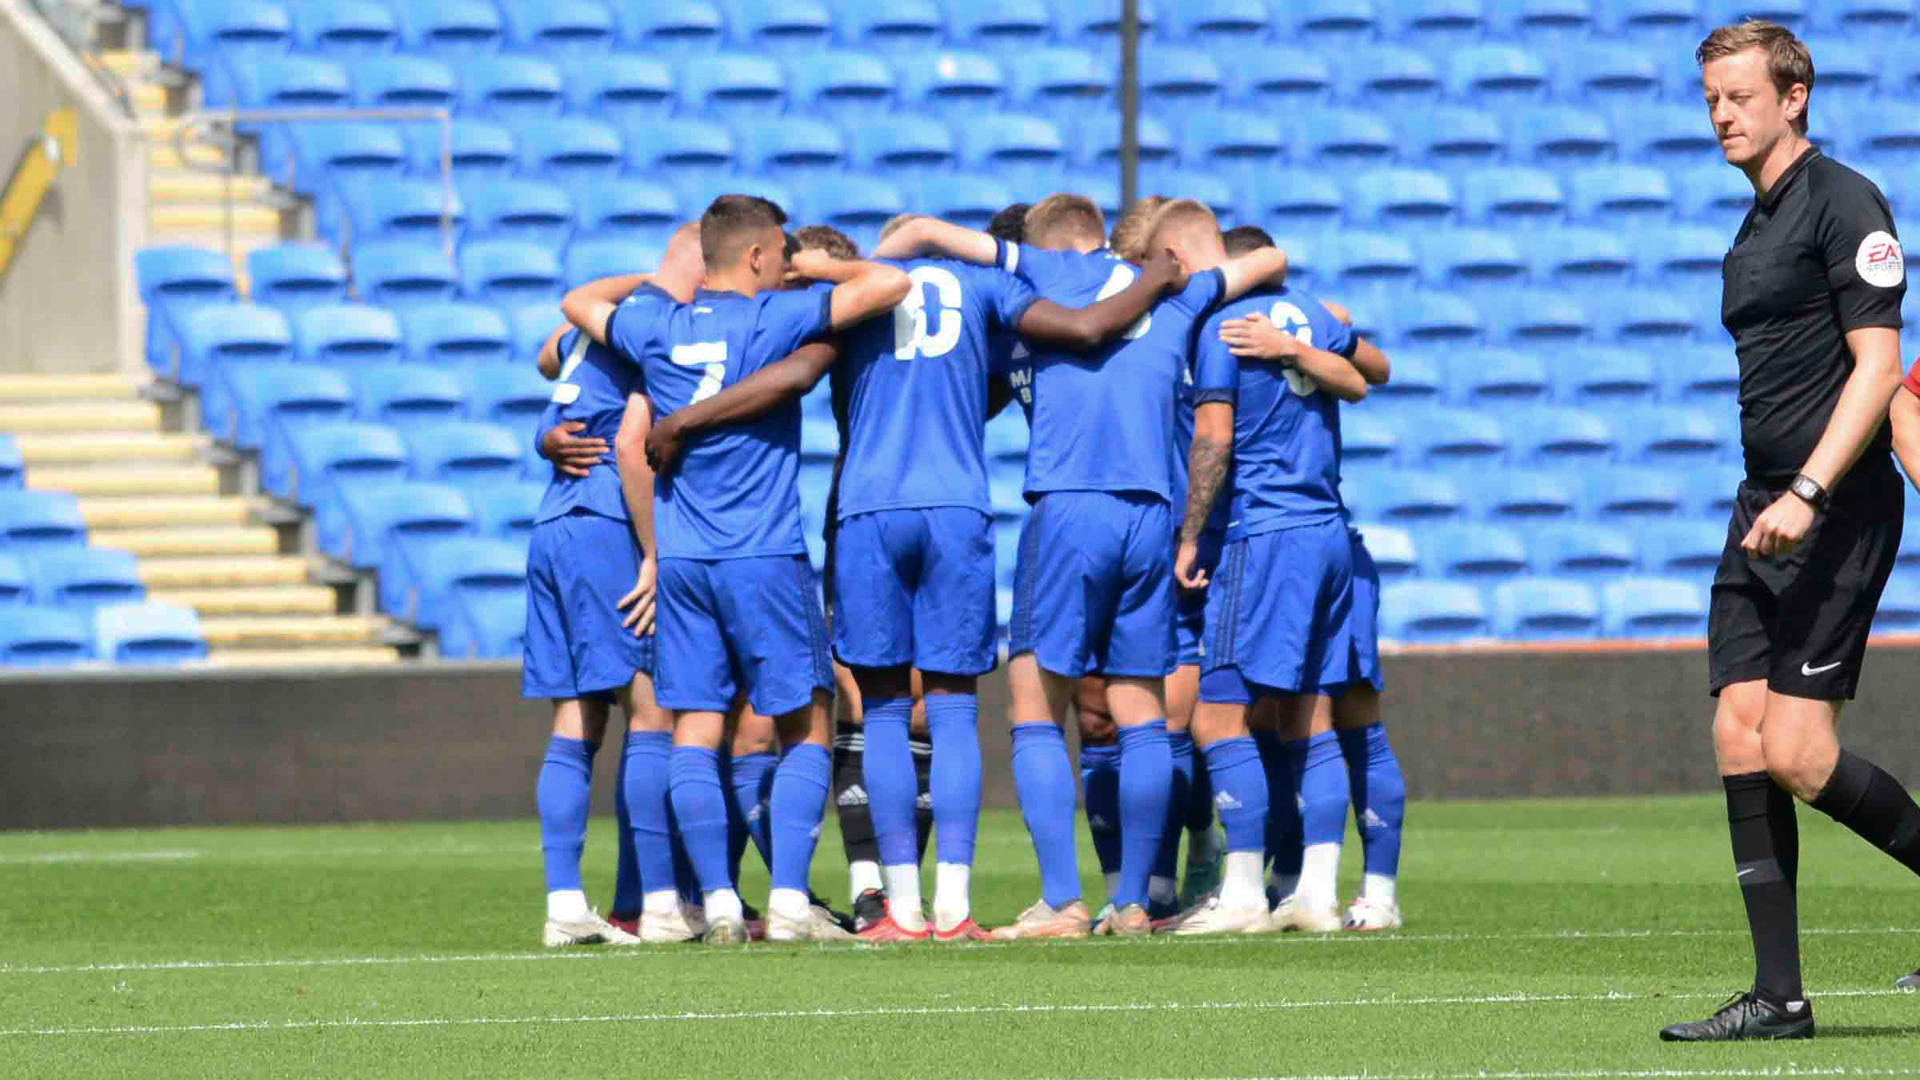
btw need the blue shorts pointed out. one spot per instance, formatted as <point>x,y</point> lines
<point>915,586</point>
<point>1280,612</point>
<point>578,568</point>
<point>1190,605</point>
<point>1365,638</point>
<point>1093,587</point>
<point>728,624</point>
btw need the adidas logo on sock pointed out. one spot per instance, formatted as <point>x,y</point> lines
<point>755,813</point>
<point>924,802</point>
<point>1371,820</point>
<point>1300,803</point>
<point>1096,823</point>
<point>853,796</point>
<point>815,834</point>
<point>1225,801</point>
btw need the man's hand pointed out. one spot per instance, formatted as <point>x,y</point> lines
<point>638,604</point>
<point>1255,336</point>
<point>570,455</point>
<point>814,264</point>
<point>664,445</point>
<point>1186,568</point>
<point>1780,528</point>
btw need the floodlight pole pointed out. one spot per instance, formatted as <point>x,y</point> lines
<point>1129,103</point>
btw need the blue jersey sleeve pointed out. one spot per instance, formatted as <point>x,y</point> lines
<point>1216,375</point>
<point>631,323</point>
<point>1336,336</point>
<point>787,320</point>
<point>1202,292</point>
<point>1008,297</point>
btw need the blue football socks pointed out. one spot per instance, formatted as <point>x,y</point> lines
<point>1044,779</point>
<point>1100,785</point>
<point>1146,781</point>
<point>750,783</point>
<point>798,802</point>
<point>700,812</point>
<point>1379,796</point>
<point>561,794</point>
<point>887,772</point>
<point>643,792</point>
<point>1239,792</point>
<point>953,722</point>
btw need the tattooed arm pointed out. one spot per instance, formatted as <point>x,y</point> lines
<point>1207,464</point>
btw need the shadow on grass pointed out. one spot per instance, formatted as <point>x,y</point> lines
<point>1868,1031</point>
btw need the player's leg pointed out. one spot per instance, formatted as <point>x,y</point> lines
<point>920,742</point>
<point>753,753</point>
<point>1182,689</point>
<point>1282,763</point>
<point>1309,745</point>
<point>1379,804</point>
<point>864,882</point>
<point>1100,781</point>
<point>644,791</point>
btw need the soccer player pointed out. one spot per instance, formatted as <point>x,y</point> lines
<point>1279,604</point>
<point>1092,589</point>
<point>737,602</point>
<point>592,555</point>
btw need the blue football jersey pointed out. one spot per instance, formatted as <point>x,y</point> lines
<point>1103,421</point>
<point>735,491</point>
<point>916,389</point>
<point>1286,430</point>
<point>593,387</point>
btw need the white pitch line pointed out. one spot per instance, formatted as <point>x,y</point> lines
<point>879,1012</point>
<point>1594,1074</point>
<point>55,857</point>
<point>1289,940</point>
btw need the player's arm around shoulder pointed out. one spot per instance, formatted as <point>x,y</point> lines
<point>759,393</point>
<point>636,490</point>
<point>926,236</point>
<point>861,289</point>
<point>1087,328</point>
<point>590,306</point>
<point>1262,266</point>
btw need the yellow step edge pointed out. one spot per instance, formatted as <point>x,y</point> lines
<point>116,448</point>
<point>282,630</point>
<point>199,217</point>
<point>19,388</point>
<point>159,543</point>
<point>310,600</point>
<point>82,418</point>
<point>162,154</point>
<point>146,480</point>
<point>220,573</point>
<point>137,512</point>
<point>334,657</point>
<point>182,186</point>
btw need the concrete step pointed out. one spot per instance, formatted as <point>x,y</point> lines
<point>112,448</point>
<point>147,512</point>
<point>282,600</point>
<point>207,541</point>
<point>76,419</point>
<point>253,571</point>
<point>216,240</point>
<point>162,154</point>
<point>148,98</point>
<point>248,218</point>
<point>130,63</point>
<point>291,631</point>
<point>333,657</point>
<point>18,389</point>
<point>166,186</point>
<point>144,480</point>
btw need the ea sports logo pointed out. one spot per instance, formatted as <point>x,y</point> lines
<point>1879,261</point>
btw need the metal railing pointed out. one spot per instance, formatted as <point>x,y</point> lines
<point>76,22</point>
<point>224,120</point>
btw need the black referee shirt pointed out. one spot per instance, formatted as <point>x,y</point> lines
<point>1815,258</point>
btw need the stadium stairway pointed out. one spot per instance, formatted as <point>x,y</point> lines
<point>161,493</point>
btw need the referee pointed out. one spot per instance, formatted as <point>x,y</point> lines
<point>1811,292</point>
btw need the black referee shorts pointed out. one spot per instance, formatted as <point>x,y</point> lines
<point>1800,621</point>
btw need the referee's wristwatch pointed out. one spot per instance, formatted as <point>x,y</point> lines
<point>1810,490</point>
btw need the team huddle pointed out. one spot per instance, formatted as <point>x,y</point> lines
<point>1188,582</point>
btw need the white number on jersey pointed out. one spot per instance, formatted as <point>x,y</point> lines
<point>910,338</point>
<point>564,392</point>
<point>1117,282</point>
<point>1294,321</point>
<point>711,355</point>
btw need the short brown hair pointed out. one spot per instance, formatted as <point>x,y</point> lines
<point>1010,224</point>
<point>1244,238</point>
<point>893,224</point>
<point>828,239</point>
<point>729,224</point>
<point>1064,216</point>
<point>1130,233</point>
<point>1788,60</point>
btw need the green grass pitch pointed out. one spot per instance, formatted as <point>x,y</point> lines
<point>1545,939</point>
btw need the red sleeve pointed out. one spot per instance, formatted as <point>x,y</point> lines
<point>1913,379</point>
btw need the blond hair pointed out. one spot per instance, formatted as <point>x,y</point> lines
<point>1135,228</point>
<point>893,224</point>
<point>1178,214</point>
<point>1788,61</point>
<point>1063,218</point>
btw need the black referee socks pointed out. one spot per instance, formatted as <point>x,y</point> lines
<point>1861,796</point>
<point>1766,856</point>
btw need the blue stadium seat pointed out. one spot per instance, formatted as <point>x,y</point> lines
<point>1682,548</point>
<point>1473,262</point>
<point>782,195</point>
<point>1887,18</point>
<point>411,208</point>
<point>464,333</point>
<point>1304,268</point>
<point>1453,439</point>
<point>1479,553</point>
<point>1604,376</point>
<point>1001,27</point>
<point>857,205</point>
<point>513,89</point>
<point>1524,497</point>
<point>347,335</point>
<point>375,519</point>
<point>1512,195</point>
<point>1430,317</point>
<point>1437,612</point>
<point>1644,318</point>
<point>628,211</point>
<point>1364,260</point>
<point>1398,196</point>
<point>1535,317</point>
<point>1579,257</point>
<point>1345,138</point>
<point>305,464</point>
<point>403,82</point>
<point>1175,79</point>
<point>346,30</point>
<point>451,29</point>
<point>1635,492</point>
<point>819,441</point>
<point>690,154</point>
<point>1496,75</point>
<point>507,512</point>
<point>481,148</point>
<point>969,199</point>
<point>905,145</point>
<point>1620,196</point>
<point>795,149</point>
<point>13,466</point>
<point>173,280</point>
<point>1328,25</point>
<point>1791,14</point>
<point>1067,85</point>
<point>1391,548</point>
<point>573,152</point>
<point>247,31</point>
<point>1366,440</point>
<point>1884,132</point>
<point>1220,25</point>
<point>1710,490</point>
<point>453,565</point>
<point>1389,77</point>
<point>1584,549</point>
<point>1496,378</point>
<point>1652,607</point>
<point>1400,495</point>
<point>1454,138</point>
<point>1095,24</point>
<point>1671,436</point>
<point>562,30</point>
<point>488,621</point>
<point>591,260</point>
<point>1660,24</point>
<point>1213,191</point>
<point>15,583</point>
<point>952,84</point>
<point>225,337</point>
<point>291,82</point>
<point>842,85</point>
<point>620,87</point>
<point>1418,379</point>
<point>1242,146</point>
<point>404,394</point>
<point>1562,136</point>
<point>325,150</point>
<point>259,396</point>
<point>81,579</point>
<point>1007,436</point>
<point>733,85</point>
<point>892,27</point>
<point>1435,25</point>
<point>1707,376</point>
<point>465,454</point>
<point>1667,134</point>
<point>1899,610</point>
<point>509,273</point>
<point>400,275</point>
<point>527,328</point>
<point>1713,195</point>
<point>1020,149</point>
<point>510,394</point>
<point>32,636</point>
<point>1545,609</point>
<point>1561,437</point>
<point>1279,78</point>
<point>1098,147</point>
<point>1606,74</point>
<point>1848,72</point>
<point>1553,26</point>
<point>675,27</point>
